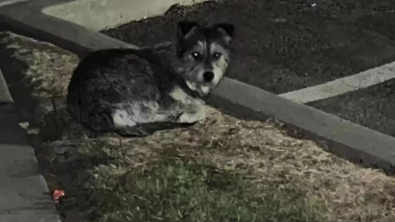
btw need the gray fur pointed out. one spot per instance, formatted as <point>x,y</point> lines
<point>137,92</point>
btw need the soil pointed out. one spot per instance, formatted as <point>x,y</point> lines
<point>287,45</point>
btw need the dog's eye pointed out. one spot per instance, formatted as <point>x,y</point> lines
<point>217,55</point>
<point>195,55</point>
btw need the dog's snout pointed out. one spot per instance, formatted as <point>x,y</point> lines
<point>208,76</point>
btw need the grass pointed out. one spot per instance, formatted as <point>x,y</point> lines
<point>221,167</point>
<point>182,189</point>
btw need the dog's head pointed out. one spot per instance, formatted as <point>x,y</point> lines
<point>204,54</point>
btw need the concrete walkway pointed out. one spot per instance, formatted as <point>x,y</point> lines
<point>24,196</point>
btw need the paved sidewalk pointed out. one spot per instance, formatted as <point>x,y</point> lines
<point>24,196</point>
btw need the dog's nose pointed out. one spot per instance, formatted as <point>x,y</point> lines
<point>208,76</point>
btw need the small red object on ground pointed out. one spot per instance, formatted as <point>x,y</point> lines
<point>57,194</point>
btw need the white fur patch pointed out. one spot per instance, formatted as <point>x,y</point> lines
<point>202,44</point>
<point>193,117</point>
<point>180,95</point>
<point>121,118</point>
<point>192,108</point>
<point>219,67</point>
<point>131,114</point>
<point>191,85</point>
<point>205,89</point>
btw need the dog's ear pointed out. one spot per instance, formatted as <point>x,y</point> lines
<point>186,29</point>
<point>228,28</point>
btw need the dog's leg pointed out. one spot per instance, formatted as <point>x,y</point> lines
<point>192,116</point>
<point>132,132</point>
<point>159,126</point>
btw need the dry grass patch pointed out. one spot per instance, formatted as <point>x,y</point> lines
<point>223,169</point>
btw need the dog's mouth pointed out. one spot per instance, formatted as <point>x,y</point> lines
<point>203,81</point>
<point>206,80</point>
<point>201,88</point>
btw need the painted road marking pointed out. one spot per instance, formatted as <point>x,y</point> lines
<point>10,2</point>
<point>5,95</point>
<point>343,85</point>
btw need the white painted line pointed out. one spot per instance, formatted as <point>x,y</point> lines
<point>5,95</point>
<point>10,2</point>
<point>343,85</point>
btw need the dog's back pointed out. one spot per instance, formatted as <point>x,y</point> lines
<point>108,77</point>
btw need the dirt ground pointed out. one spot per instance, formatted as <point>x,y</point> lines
<point>38,74</point>
<point>287,45</point>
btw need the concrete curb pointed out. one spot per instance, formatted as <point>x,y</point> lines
<point>341,137</point>
<point>5,95</point>
<point>346,139</point>
<point>24,195</point>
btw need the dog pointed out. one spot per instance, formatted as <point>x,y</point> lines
<point>136,92</point>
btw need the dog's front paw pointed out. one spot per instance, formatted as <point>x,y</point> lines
<point>192,117</point>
